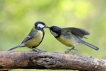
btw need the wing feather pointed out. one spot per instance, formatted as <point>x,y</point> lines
<point>30,35</point>
<point>76,31</point>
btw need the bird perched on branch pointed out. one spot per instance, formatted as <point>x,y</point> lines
<point>70,36</point>
<point>34,38</point>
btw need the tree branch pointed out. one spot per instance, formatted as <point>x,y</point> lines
<point>47,60</point>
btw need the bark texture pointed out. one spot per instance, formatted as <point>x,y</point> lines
<point>47,60</point>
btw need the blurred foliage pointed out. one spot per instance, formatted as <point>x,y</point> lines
<point>18,16</point>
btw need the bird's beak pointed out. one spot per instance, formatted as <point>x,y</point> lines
<point>47,27</point>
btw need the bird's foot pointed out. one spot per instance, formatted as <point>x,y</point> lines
<point>38,50</point>
<point>70,50</point>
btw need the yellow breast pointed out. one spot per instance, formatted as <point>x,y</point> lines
<point>36,40</point>
<point>66,41</point>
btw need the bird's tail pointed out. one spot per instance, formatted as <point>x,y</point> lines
<point>14,47</point>
<point>89,45</point>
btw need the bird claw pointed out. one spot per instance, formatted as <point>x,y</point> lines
<point>38,50</point>
<point>66,52</point>
<point>70,50</point>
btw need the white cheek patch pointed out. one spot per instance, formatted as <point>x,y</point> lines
<point>53,33</point>
<point>40,25</point>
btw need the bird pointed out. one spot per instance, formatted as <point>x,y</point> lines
<point>71,36</point>
<point>34,38</point>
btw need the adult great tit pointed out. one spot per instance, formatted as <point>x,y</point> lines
<point>70,36</point>
<point>34,38</point>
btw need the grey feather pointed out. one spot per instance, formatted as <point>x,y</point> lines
<point>30,35</point>
<point>77,31</point>
<point>20,45</point>
<point>89,45</point>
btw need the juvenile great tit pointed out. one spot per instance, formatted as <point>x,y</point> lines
<point>34,38</point>
<point>70,36</point>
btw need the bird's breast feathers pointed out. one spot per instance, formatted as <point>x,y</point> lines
<point>68,41</point>
<point>35,40</point>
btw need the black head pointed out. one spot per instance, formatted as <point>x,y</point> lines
<point>55,31</point>
<point>39,25</point>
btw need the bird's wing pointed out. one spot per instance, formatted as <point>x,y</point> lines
<point>76,31</point>
<point>30,35</point>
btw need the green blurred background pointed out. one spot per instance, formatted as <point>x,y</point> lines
<point>18,16</point>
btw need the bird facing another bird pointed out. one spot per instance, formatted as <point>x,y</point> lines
<point>34,38</point>
<point>69,36</point>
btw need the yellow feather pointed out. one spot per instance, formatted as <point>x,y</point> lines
<point>35,40</point>
<point>66,41</point>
